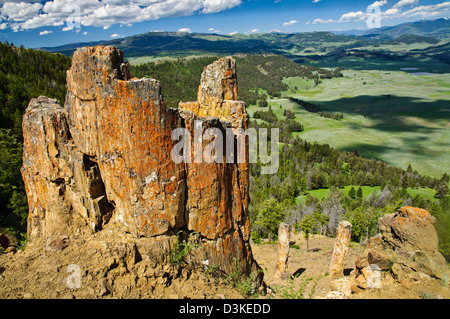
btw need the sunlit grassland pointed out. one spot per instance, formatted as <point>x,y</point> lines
<point>367,191</point>
<point>392,116</point>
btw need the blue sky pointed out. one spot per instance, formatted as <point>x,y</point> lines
<point>56,22</point>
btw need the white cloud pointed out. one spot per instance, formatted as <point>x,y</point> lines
<point>21,11</point>
<point>322,21</point>
<point>255,30</point>
<point>290,23</point>
<point>187,30</point>
<point>378,3</point>
<point>399,11</point>
<point>429,12</point>
<point>116,35</point>
<point>45,32</point>
<point>234,32</point>
<point>403,3</point>
<point>440,10</point>
<point>392,11</point>
<point>26,15</point>
<point>213,30</point>
<point>315,1</point>
<point>353,16</point>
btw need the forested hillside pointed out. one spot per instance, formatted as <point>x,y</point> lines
<point>24,74</point>
<point>258,76</point>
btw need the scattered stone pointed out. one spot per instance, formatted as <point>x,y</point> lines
<point>405,251</point>
<point>105,289</point>
<point>27,295</point>
<point>10,249</point>
<point>56,244</point>
<point>4,241</point>
<point>335,295</point>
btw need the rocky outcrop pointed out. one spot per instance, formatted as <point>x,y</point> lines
<point>405,251</point>
<point>103,162</point>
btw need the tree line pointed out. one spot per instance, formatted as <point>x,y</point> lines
<point>259,76</point>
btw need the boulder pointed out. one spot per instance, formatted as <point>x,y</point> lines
<point>405,249</point>
<point>4,241</point>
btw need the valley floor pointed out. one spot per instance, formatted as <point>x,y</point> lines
<point>393,116</point>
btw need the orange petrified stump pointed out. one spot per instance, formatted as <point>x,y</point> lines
<point>340,251</point>
<point>284,237</point>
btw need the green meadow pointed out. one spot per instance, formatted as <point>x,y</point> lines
<point>368,190</point>
<point>393,116</point>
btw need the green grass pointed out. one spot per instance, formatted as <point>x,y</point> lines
<point>395,117</point>
<point>367,190</point>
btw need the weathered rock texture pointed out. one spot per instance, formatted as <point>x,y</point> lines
<point>406,250</point>
<point>284,238</point>
<point>104,162</point>
<point>340,251</point>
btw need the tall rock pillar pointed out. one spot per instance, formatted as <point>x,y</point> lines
<point>104,162</point>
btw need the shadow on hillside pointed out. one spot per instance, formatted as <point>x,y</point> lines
<point>393,114</point>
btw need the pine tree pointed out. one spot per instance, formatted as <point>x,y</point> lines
<point>352,193</point>
<point>359,193</point>
<point>307,225</point>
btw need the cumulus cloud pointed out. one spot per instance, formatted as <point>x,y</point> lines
<point>322,21</point>
<point>400,10</point>
<point>289,23</point>
<point>429,12</point>
<point>354,16</point>
<point>378,4</point>
<point>403,3</point>
<point>187,30</point>
<point>103,13</point>
<point>45,32</point>
<point>21,11</point>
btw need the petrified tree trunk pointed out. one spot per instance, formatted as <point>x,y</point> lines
<point>343,235</point>
<point>284,236</point>
<point>104,162</point>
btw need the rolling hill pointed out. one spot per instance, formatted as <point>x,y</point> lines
<point>295,44</point>
<point>438,29</point>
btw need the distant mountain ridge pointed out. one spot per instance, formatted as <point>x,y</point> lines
<point>438,29</point>
<point>168,43</point>
<point>155,43</point>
